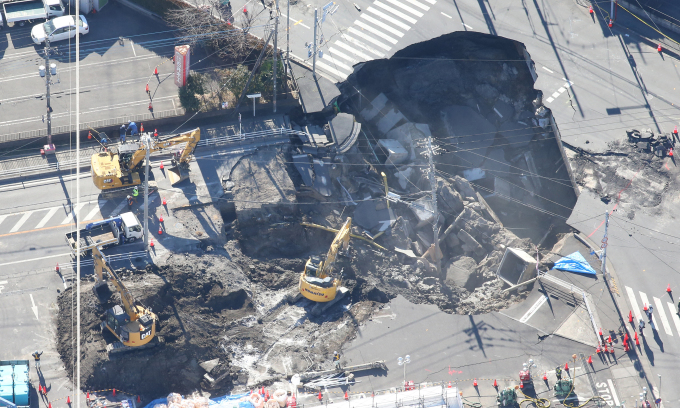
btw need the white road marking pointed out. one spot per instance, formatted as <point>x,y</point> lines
<point>674,316</point>
<point>92,213</point>
<point>431,1</point>
<point>613,391</point>
<point>35,259</point>
<point>643,297</point>
<point>34,308</point>
<point>549,70</point>
<point>2,218</point>
<point>633,303</point>
<point>395,12</point>
<point>333,71</point>
<point>418,4</point>
<point>362,45</point>
<point>549,99</point>
<point>118,209</point>
<point>47,217</point>
<point>337,64</point>
<point>297,22</point>
<point>21,221</point>
<point>533,309</point>
<point>446,15</point>
<point>561,90</point>
<point>369,38</point>
<point>405,7</point>
<point>467,26</point>
<point>337,53</point>
<point>132,44</point>
<point>556,94</point>
<point>1,285</point>
<point>662,315</point>
<point>383,25</point>
<point>376,32</point>
<point>388,18</point>
<point>353,51</point>
<point>73,214</point>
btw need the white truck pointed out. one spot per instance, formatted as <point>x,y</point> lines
<point>113,231</point>
<point>20,12</point>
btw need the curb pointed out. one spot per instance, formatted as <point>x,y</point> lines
<point>140,9</point>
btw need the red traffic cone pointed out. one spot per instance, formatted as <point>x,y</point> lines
<point>495,383</point>
<point>675,130</point>
<point>161,166</point>
<point>590,359</point>
<point>591,10</point>
<point>521,385</point>
<point>668,289</point>
<point>637,341</point>
<point>611,23</point>
<point>68,399</point>
<point>630,316</point>
<point>601,330</point>
<point>645,308</point>
<point>155,133</point>
<point>40,388</point>
<point>89,135</point>
<point>150,106</point>
<point>474,383</point>
<point>266,396</point>
<point>160,219</point>
<point>545,376</point>
<point>606,350</point>
<point>114,392</point>
<point>147,88</point>
<point>151,243</point>
<point>88,395</point>
<point>320,396</point>
<point>658,48</point>
<point>56,268</point>
<point>450,384</point>
<point>160,230</point>
<point>625,347</point>
<point>245,10</point>
<point>164,202</point>
<point>139,399</point>
<point>49,405</point>
<point>566,366</point>
<point>155,71</point>
<point>251,392</point>
<point>141,128</point>
<point>346,396</point>
<point>609,340</point>
<point>598,350</point>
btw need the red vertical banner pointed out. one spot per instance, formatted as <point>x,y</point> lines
<point>182,55</point>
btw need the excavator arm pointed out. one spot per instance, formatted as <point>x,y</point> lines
<point>341,240</point>
<point>191,138</point>
<point>100,266</point>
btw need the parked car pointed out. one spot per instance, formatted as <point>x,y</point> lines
<point>58,29</point>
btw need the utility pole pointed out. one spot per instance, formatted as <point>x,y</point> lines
<point>147,142</point>
<point>433,185</point>
<point>276,50</point>
<point>287,42</point>
<point>604,244</point>
<point>49,147</point>
<point>316,23</point>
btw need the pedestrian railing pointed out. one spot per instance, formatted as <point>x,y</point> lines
<point>577,291</point>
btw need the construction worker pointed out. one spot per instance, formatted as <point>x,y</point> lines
<point>130,201</point>
<point>123,130</point>
<point>133,128</point>
<point>679,307</point>
<point>641,325</point>
<point>336,359</point>
<point>135,193</point>
<point>558,373</point>
<point>36,357</point>
<point>649,312</point>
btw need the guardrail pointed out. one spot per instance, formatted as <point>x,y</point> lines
<point>252,137</point>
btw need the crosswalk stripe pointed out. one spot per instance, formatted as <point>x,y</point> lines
<point>2,218</point>
<point>364,46</point>
<point>419,5</point>
<point>21,221</point>
<point>662,315</point>
<point>382,25</point>
<point>643,297</point>
<point>633,303</point>
<point>333,71</point>
<point>386,17</point>
<point>405,7</point>
<point>118,209</point>
<point>337,64</point>
<point>431,1</point>
<point>73,214</point>
<point>369,38</point>
<point>376,32</point>
<point>396,12</point>
<point>674,316</point>
<point>92,213</point>
<point>353,51</point>
<point>47,217</point>
<point>337,53</point>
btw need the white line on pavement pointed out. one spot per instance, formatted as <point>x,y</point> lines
<point>613,391</point>
<point>118,209</point>
<point>662,315</point>
<point>369,38</point>
<point>555,95</point>
<point>47,217</point>
<point>2,218</point>
<point>132,45</point>
<point>395,12</point>
<point>405,7</point>
<point>533,309</point>
<point>21,221</point>
<point>353,50</point>
<point>73,214</point>
<point>633,304</point>
<point>388,18</point>
<point>468,26</point>
<point>35,259</point>
<point>336,53</point>
<point>674,316</point>
<point>376,32</point>
<point>339,74</point>
<point>92,213</point>
<point>549,99</point>
<point>383,25</point>
<point>549,70</point>
<point>362,45</point>
<point>418,4</point>
<point>446,14</point>
<point>643,297</point>
<point>561,90</point>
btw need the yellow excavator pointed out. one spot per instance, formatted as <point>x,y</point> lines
<point>121,165</point>
<point>134,327</point>
<point>317,282</point>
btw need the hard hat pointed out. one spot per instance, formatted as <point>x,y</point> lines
<point>335,352</point>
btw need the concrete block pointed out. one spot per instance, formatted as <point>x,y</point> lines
<point>391,118</point>
<point>395,151</point>
<point>376,106</point>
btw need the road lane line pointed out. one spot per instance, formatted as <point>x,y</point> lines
<point>643,297</point>
<point>296,22</point>
<point>533,309</point>
<point>405,7</point>
<point>633,304</point>
<point>382,25</point>
<point>92,213</point>
<point>561,90</point>
<point>388,18</point>
<point>674,316</point>
<point>47,217</point>
<point>353,51</point>
<point>549,70</point>
<point>662,315</point>
<point>376,32</point>
<point>555,95</point>
<point>73,214</point>
<point>2,218</point>
<point>613,391</point>
<point>132,45</point>
<point>21,221</point>
<point>35,259</point>
<point>396,12</point>
<point>467,26</point>
<point>446,14</point>
<point>367,37</point>
<point>549,99</point>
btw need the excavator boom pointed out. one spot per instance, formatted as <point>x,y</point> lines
<point>101,265</point>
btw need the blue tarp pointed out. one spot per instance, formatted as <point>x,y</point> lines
<point>213,401</point>
<point>575,263</point>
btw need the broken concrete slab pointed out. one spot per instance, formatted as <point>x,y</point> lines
<point>315,173</point>
<point>470,243</point>
<point>344,130</point>
<point>371,217</point>
<point>423,208</point>
<point>408,134</point>
<point>459,271</point>
<point>395,152</point>
<point>377,105</point>
<point>471,132</point>
<point>389,120</point>
<point>516,267</point>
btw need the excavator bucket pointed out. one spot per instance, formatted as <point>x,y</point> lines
<point>178,173</point>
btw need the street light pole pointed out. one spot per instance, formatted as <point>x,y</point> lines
<point>403,362</point>
<point>147,142</point>
<point>314,47</point>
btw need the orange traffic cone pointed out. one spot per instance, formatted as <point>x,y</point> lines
<point>637,340</point>
<point>88,395</point>
<point>668,289</point>
<point>141,128</point>
<point>164,202</point>
<point>606,350</point>
<point>49,405</point>
<point>68,399</point>
<point>449,384</point>
<point>114,392</point>
<point>495,383</point>
<point>609,340</point>
<point>346,396</point>
<point>155,71</point>
<point>545,376</point>
<point>630,316</point>
<point>590,359</point>
<point>57,267</point>
<point>625,347</point>
<point>151,243</point>
<point>658,48</point>
<point>89,135</point>
<point>521,385</point>
<point>611,23</point>
<point>645,308</point>
<point>320,396</point>
<point>160,230</point>
<point>675,130</point>
<point>161,166</point>
<point>160,219</point>
<point>566,366</point>
<point>601,330</point>
<point>266,396</point>
<point>670,153</point>
<point>245,10</point>
<point>147,88</point>
<point>612,350</point>
<point>474,383</point>
<point>155,133</point>
<point>598,350</point>
<point>591,10</point>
